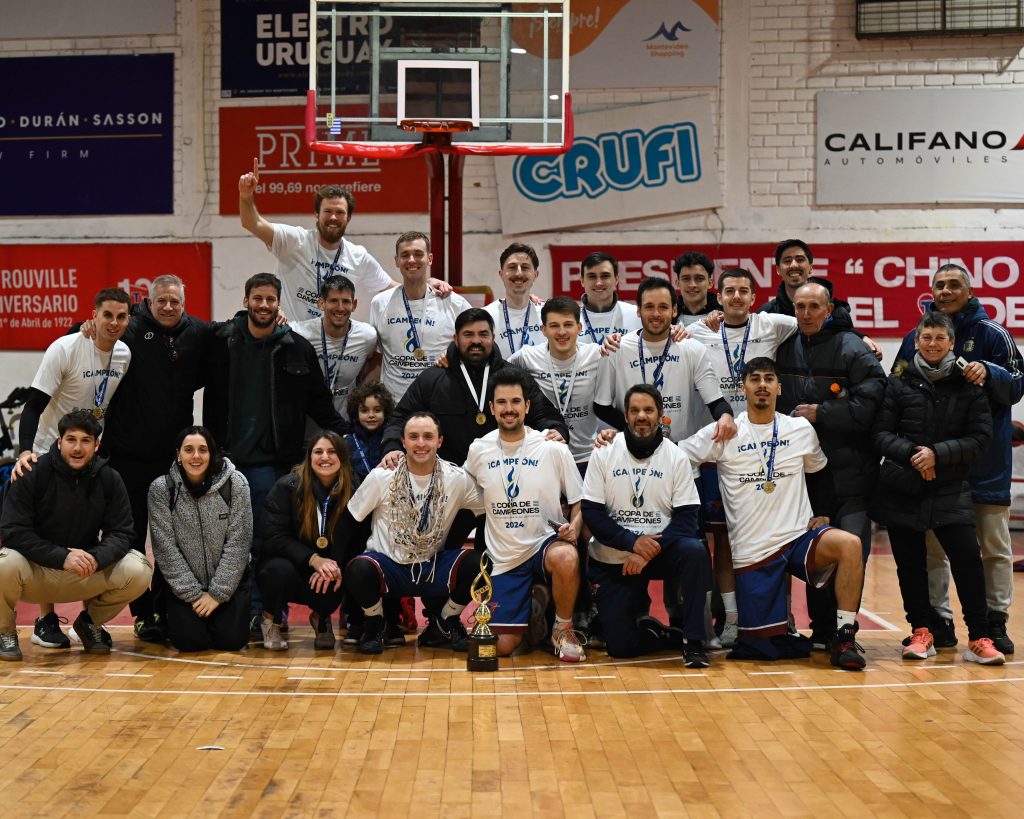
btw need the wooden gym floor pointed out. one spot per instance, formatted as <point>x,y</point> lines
<point>147,732</point>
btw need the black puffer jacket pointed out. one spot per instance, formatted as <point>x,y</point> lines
<point>950,417</point>
<point>835,370</point>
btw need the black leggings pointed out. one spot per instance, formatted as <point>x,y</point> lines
<point>227,629</point>
<point>363,583</point>
<point>282,582</point>
<point>960,543</point>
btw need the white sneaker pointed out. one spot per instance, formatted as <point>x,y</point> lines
<point>730,633</point>
<point>272,639</point>
<point>568,647</point>
<point>713,643</point>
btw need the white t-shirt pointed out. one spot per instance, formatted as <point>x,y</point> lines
<point>460,492</point>
<point>767,332</point>
<point>346,357</point>
<point>639,495</point>
<point>686,377</point>
<point>72,373</point>
<point>435,325</point>
<point>622,318</point>
<point>302,264</point>
<point>760,523</point>
<point>522,485</point>
<point>509,335</point>
<point>572,391</point>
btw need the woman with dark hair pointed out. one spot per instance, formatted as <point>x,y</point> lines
<point>933,424</point>
<point>201,526</point>
<point>306,537</point>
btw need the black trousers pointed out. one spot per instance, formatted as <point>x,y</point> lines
<point>227,629</point>
<point>137,475</point>
<point>960,543</point>
<point>282,582</point>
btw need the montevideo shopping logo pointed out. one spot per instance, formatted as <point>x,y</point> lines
<point>615,160</point>
<point>669,34</point>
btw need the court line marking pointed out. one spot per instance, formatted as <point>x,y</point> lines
<point>886,625</point>
<point>598,677</point>
<point>218,676</point>
<point>33,671</point>
<point>405,679</point>
<point>767,673</point>
<point>695,674</point>
<point>305,679</point>
<point>516,694</point>
<point>129,674</point>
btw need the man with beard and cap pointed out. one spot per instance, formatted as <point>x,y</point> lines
<point>640,502</point>
<point>829,377</point>
<point>994,364</point>
<point>262,380</point>
<point>306,257</point>
<point>516,317</point>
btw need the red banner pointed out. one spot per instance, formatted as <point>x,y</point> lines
<point>887,285</point>
<point>44,289</point>
<point>290,173</point>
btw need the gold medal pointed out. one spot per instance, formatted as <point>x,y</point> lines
<point>97,412</point>
<point>481,419</point>
<point>419,354</point>
<point>768,486</point>
<point>321,542</point>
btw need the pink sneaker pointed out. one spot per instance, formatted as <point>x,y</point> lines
<point>984,652</point>
<point>921,645</point>
<point>567,643</point>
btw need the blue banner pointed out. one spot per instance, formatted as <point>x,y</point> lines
<point>87,135</point>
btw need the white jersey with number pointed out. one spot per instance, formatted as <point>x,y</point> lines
<point>434,319</point>
<point>72,373</point>
<point>508,335</point>
<point>341,359</point>
<point>686,377</point>
<point>373,495</point>
<point>622,318</point>
<point>767,332</point>
<point>639,495</point>
<point>573,398</point>
<point>302,264</point>
<point>521,484</point>
<point>761,522</point>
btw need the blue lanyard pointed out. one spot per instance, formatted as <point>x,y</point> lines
<point>412,324</point>
<point>425,512</point>
<point>361,451</point>
<point>330,267</point>
<point>331,374</point>
<point>323,515</point>
<point>525,338</point>
<point>100,392</point>
<point>661,358</point>
<point>590,327</point>
<point>735,366</point>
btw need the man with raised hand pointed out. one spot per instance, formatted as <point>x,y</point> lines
<point>602,312</point>
<point>414,506</point>
<point>78,371</point>
<point>345,347</point>
<point>413,324</point>
<point>994,363</point>
<point>641,504</point>
<point>774,493</point>
<point>516,316</point>
<point>66,530</point>
<point>522,477</point>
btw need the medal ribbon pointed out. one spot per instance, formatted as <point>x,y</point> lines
<point>323,515</point>
<point>331,373</point>
<point>100,392</point>
<point>661,358</point>
<point>330,267</point>
<point>735,366</point>
<point>362,452</point>
<point>525,336</point>
<point>767,465</point>
<point>412,324</point>
<point>425,511</point>
<point>554,384</point>
<point>637,498</point>
<point>483,387</point>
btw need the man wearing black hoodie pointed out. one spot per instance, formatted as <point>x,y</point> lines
<point>830,377</point>
<point>66,530</point>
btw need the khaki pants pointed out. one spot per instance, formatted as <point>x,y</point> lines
<point>105,593</point>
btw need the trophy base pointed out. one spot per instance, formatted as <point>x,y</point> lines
<point>483,653</point>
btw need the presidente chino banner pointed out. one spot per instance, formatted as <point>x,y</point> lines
<point>290,173</point>
<point>44,289</point>
<point>887,285</point>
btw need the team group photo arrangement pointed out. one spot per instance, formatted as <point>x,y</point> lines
<point>549,408</point>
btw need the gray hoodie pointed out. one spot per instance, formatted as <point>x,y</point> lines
<point>203,545</point>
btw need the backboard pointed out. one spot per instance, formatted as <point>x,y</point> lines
<point>459,77</point>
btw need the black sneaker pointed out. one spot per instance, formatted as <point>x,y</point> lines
<point>670,636</point>
<point>943,632</point>
<point>150,629</point>
<point>353,635</point>
<point>95,639</point>
<point>694,655</point>
<point>820,641</point>
<point>48,633</point>
<point>446,633</point>
<point>256,629</point>
<point>394,634</point>
<point>997,633</point>
<point>9,649</point>
<point>372,639</point>
<point>846,652</point>
<point>323,631</point>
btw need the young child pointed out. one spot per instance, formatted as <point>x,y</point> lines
<point>369,406</point>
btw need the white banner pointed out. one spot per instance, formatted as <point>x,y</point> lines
<point>923,146</point>
<point>84,18</point>
<point>625,163</point>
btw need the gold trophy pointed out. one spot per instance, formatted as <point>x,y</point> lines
<point>483,643</point>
